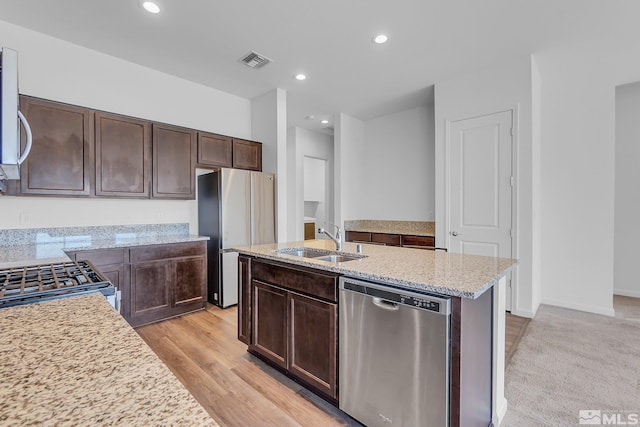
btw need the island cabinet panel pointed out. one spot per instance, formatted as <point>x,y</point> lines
<point>244,299</point>
<point>174,162</point>
<point>313,342</point>
<point>270,322</point>
<point>294,322</point>
<point>123,156</point>
<point>61,159</point>
<point>247,154</point>
<point>315,283</point>
<point>471,360</point>
<point>215,150</point>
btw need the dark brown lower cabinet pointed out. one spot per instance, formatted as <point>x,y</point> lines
<point>293,321</point>
<point>156,281</point>
<point>270,322</point>
<point>312,342</point>
<point>150,289</point>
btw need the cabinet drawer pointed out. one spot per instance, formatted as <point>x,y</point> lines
<point>175,250</point>
<point>102,256</point>
<point>308,281</point>
<point>358,236</point>
<point>419,240</point>
<point>387,239</point>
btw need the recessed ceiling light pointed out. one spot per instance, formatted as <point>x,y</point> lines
<point>380,39</point>
<point>151,6</point>
<point>324,122</point>
<point>300,77</point>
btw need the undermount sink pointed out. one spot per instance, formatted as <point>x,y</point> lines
<point>319,254</point>
<point>303,252</point>
<point>338,258</point>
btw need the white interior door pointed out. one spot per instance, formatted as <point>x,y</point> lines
<point>480,189</point>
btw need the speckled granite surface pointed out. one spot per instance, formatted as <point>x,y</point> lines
<point>445,273</point>
<point>42,245</point>
<point>76,362</point>
<point>416,228</point>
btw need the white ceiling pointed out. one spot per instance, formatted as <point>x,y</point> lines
<point>330,41</point>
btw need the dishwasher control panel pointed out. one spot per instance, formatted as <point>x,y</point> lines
<point>420,303</point>
<point>424,301</point>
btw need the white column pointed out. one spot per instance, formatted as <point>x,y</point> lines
<point>269,126</point>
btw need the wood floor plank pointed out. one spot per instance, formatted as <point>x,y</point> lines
<point>287,399</point>
<point>210,349</point>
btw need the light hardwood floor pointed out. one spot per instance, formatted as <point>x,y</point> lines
<point>515,328</point>
<point>237,389</point>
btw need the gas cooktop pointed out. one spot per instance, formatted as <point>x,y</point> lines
<point>35,283</point>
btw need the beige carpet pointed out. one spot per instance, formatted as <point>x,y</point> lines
<point>569,361</point>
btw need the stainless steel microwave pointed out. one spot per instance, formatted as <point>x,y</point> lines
<point>10,116</point>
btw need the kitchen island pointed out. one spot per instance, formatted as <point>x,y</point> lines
<point>75,361</point>
<point>289,306</point>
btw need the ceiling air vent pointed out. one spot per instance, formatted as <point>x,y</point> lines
<point>255,60</point>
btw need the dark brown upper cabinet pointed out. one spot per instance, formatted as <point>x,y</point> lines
<point>247,154</point>
<point>61,159</point>
<point>214,150</point>
<point>174,162</point>
<point>123,156</point>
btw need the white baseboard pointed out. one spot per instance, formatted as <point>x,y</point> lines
<point>501,411</point>
<point>523,313</point>
<point>581,307</point>
<point>626,293</point>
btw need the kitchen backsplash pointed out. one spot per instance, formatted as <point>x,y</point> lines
<point>394,227</point>
<point>29,236</point>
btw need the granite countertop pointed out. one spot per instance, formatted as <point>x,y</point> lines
<point>466,276</point>
<point>40,246</point>
<point>414,228</point>
<point>75,361</point>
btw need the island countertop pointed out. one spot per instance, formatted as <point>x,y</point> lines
<point>75,361</point>
<point>467,276</point>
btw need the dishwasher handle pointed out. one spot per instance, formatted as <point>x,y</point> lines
<point>385,305</point>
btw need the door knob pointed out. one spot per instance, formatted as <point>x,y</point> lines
<point>454,233</point>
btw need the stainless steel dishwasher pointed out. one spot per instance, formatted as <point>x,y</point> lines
<point>394,355</point>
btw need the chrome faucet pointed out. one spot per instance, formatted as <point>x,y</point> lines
<point>337,239</point>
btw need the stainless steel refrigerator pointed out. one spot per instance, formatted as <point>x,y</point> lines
<point>235,208</point>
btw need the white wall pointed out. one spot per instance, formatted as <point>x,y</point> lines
<point>53,69</point>
<point>349,150</point>
<point>627,196</point>
<point>505,86</point>
<point>398,167</point>
<point>304,142</point>
<point>577,179</point>
<point>269,126</point>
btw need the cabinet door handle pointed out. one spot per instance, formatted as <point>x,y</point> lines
<point>454,233</point>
